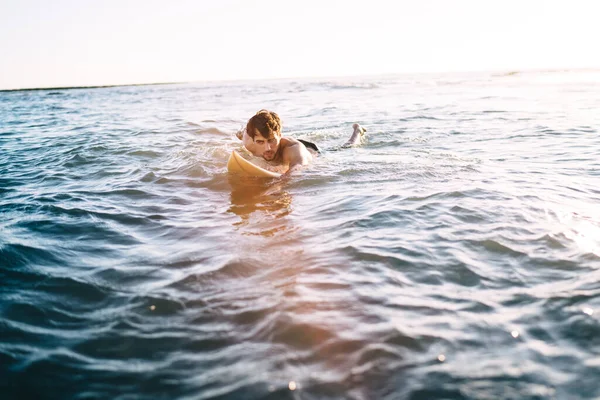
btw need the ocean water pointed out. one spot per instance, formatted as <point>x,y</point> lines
<point>454,255</point>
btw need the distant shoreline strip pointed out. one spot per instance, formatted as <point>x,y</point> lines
<point>89,87</point>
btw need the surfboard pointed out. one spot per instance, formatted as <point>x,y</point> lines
<point>239,165</point>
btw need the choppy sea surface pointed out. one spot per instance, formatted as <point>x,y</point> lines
<point>454,255</point>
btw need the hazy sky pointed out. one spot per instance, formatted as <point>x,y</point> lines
<point>87,42</point>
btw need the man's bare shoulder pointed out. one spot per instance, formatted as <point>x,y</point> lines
<point>290,142</point>
<point>294,152</point>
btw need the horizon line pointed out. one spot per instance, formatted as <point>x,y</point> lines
<point>504,71</point>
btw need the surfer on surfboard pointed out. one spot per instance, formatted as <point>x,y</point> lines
<point>262,137</point>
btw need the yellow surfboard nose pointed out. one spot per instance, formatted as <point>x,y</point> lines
<point>239,165</point>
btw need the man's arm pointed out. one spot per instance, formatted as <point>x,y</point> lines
<point>248,142</point>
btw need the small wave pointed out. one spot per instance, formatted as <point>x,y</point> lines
<point>546,130</point>
<point>212,130</point>
<point>494,246</point>
<point>421,117</point>
<point>584,129</point>
<point>16,255</point>
<point>78,160</point>
<point>149,177</point>
<point>451,194</point>
<point>144,153</point>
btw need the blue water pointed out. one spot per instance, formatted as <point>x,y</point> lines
<point>454,255</point>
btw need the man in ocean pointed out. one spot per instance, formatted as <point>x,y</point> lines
<point>262,137</point>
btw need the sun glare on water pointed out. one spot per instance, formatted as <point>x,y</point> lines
<point>581,227</point>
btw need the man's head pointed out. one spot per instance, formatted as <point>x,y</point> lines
<point>265,130</point>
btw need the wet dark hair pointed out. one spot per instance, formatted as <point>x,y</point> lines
<point>267,123</point>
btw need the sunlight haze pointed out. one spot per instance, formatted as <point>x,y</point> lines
<point>75,43</point>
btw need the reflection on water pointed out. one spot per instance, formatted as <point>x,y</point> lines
<point>265,197</point>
